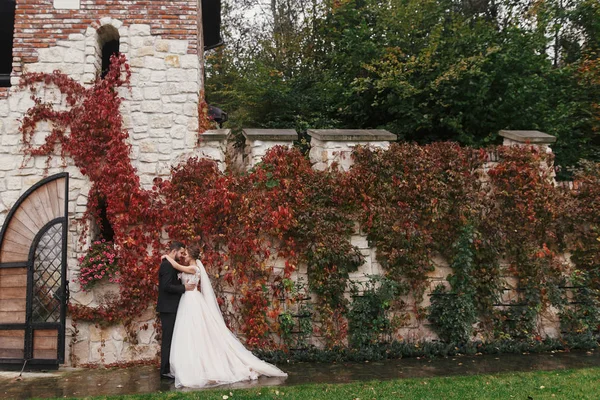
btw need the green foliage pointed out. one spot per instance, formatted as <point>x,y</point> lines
<point>369,319</point>
<point>412,200</point>
<point>286,324</point>
<point>453,313</point>
<point>402,349</point>
<point>426,70</point>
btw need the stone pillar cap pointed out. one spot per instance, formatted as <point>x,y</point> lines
<point>533,137</point>
<point>272,135</point>
<point>214,135</point>
<point>352,135</point>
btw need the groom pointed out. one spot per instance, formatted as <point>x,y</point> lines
<point>170,290</point>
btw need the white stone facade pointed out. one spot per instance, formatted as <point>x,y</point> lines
<point>161,114</point>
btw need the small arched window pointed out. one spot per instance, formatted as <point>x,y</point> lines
<point>105,229</point>
<point>108,43</point>
<point>7,26</point>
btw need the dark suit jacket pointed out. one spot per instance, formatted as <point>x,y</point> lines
<point>170,288</point>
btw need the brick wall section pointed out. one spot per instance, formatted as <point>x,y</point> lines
<point>39,25</point>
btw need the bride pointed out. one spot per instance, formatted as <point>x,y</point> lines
<point>204,352</point>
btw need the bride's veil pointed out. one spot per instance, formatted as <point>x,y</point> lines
<point>225,335</point>
<point>209,294</point>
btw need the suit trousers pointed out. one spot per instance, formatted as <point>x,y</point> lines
<point>167,320</point>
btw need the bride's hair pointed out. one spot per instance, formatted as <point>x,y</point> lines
<point>194,251</point>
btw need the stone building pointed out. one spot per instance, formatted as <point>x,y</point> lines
<point>163,42</point>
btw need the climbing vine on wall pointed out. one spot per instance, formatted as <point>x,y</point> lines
<point>258,228</point>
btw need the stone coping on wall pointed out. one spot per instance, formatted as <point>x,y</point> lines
<point>270,135</point>
<point>352,135</point>
<point>215,135</point>
<point>533,137</point>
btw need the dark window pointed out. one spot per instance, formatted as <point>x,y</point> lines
<point>106,230</point>
<point>211,23</point>
<point>7,25</point>
<point>108,49</point>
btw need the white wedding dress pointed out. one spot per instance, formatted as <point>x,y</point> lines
<point>204,352</point>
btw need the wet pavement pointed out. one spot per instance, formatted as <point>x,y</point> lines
<point>145,379</point>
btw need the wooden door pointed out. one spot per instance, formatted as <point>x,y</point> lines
<point>33,286</point>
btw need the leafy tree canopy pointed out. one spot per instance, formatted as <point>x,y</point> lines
<point>426,70</point>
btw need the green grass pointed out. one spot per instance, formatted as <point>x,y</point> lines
<point>564,384</point>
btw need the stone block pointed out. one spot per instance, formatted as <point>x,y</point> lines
<point>189,61</point>
<point>9,198</point>
<point>118,333</point>
<point>359,241</point>
<point>137,62</point>
<point>190,110</point>
<point>14,183</point>
<point>151,106</point>
<point>144,51</point>
<point>161,121</point>
<point>191,75</point>
<point>178,98</point>
<point>117,24</point>
<point>174,108</point>
<point>147,168</point>
<point>4,110</point>
<point>177,131</point>
<point>191,87</point>
<point>74,56</point>
<point>51,55</point>
<point>148,157</point>
<point>159,76</point>
<point>162,45</point>
<point>139,30</point>
<point>172,61</point>
<point>145,336</point>
<point>161,134</point>
<point>164,148</point>
<point>178,144</point>
<point>181,119</point>
<point>96,333</point>
<point>168,88</point>
<point>7,162</point>
<point>154,63</point>
<point>151,93</point>
<point>136,42</point>
<point>147,147</point>
<point>139,118</point>
<point>81,350</point>
<point>176,75</point>
<point>178,46</point>
<point>75,37</point>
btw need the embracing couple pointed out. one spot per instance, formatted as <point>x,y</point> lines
<point>198,350</point>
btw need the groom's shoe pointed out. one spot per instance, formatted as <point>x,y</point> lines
<point>168,376</point>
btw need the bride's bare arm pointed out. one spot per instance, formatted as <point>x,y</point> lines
<point>183,268</point>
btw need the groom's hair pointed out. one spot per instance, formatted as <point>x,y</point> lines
<point>176,246</point>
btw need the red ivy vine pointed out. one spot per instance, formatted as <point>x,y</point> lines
<point>410,200</point>
<point>90,131</point>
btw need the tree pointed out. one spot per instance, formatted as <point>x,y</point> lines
<point>426,70</point>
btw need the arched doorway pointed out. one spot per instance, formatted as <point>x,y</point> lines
<point>33,285</point>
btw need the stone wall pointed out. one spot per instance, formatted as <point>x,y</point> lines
<point>161,114</point>
<point>41,24</point>
<point>160,41</point>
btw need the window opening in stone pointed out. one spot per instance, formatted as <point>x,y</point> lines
<point>105,229</point>
<point>108,50</point>
<point>108,45</point>
<point>7,25</point>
